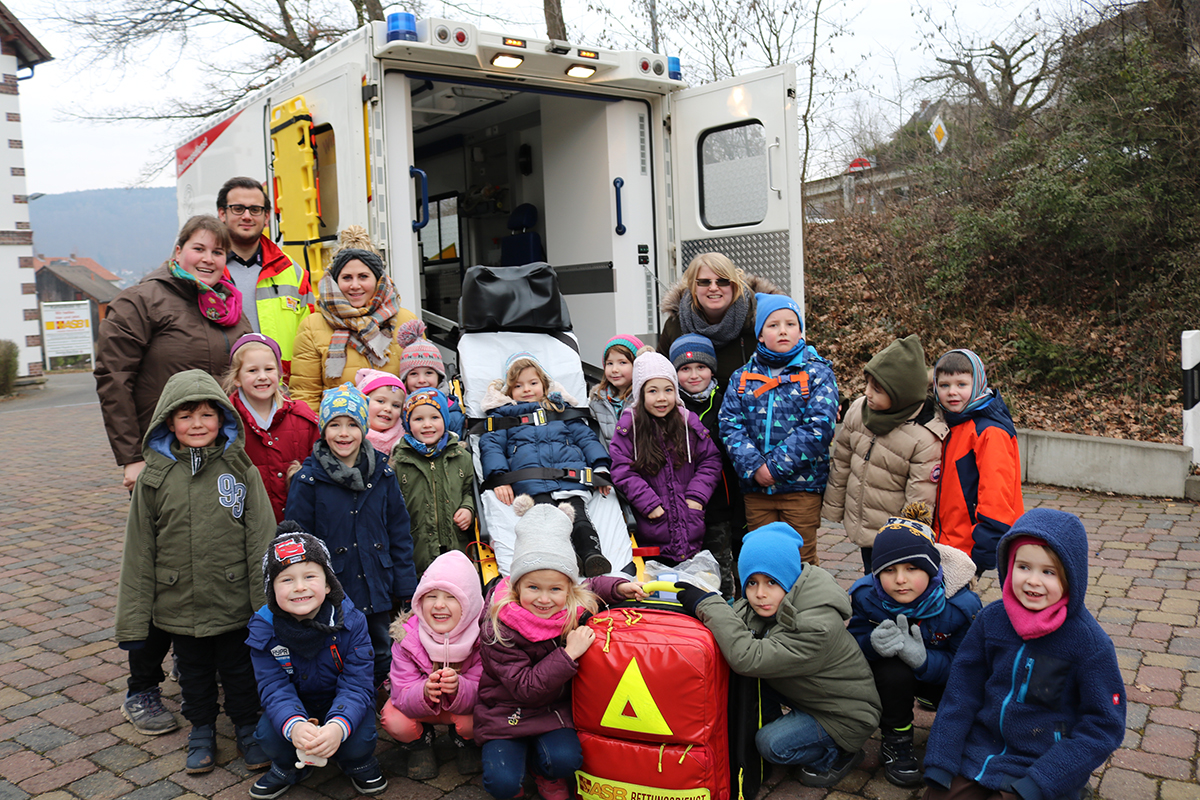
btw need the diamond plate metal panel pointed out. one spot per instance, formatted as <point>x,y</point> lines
<point>764,254</point>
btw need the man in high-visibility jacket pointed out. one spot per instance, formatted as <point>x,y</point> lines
<point>276,295</point>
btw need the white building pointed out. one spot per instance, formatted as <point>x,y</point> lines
<point>19,322</point>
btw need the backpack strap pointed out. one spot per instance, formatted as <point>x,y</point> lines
<point>769,383</point>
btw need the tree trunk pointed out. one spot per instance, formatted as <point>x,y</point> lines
<point>556,28</point>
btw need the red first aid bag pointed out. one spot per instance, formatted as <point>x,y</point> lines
<point>650,703</point>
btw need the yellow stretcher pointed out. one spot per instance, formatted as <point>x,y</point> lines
<point>297,189</point>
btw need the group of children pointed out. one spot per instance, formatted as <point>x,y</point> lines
<point>378,490</point>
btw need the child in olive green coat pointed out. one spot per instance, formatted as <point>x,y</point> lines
<point>436,475</point>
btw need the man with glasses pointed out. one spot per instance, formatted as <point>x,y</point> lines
<point>276,294</point>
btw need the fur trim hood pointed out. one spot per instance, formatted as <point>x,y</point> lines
<point>958,570</point>
<point>754,284</point>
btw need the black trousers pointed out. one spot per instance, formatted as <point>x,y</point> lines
<point>145,665</point>
<point>200,659</point>
<point>898,688</point>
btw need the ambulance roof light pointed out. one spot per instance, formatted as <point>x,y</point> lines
<point>674,71</point>
<point>581,71</point>
<point>507,60</point>
<point>402,26</point>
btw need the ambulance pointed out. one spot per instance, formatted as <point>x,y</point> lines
<point>455,147</point>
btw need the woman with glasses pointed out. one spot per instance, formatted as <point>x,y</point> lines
<point>358,312</point>
<point>715,299</point>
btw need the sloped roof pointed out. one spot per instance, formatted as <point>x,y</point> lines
<point>85,281</point>
<point>81,261</point>
<point>30,52</point>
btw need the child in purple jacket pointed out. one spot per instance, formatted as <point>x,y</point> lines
<point>664,462</point>
<point>436,667</point>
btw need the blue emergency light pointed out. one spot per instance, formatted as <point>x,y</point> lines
<point>401,26</point>
<point>674,71</point>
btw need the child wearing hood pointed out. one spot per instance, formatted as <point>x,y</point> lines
<point>888,448</point>
<point>1035,701</point>
<point>910,616</point>
<point>199,518</point>
<point>314,665</point>
<point>436,666</point>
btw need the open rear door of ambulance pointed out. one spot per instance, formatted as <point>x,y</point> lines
<point>735,164</point>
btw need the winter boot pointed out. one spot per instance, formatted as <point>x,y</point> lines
<point>201,749</point>
<point>900,766</point>
<point>467,756</point>
<point>249,748</point>
<point>422,761</point>
<point>587,544</point>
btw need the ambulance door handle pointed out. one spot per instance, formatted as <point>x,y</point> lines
<point>771,172</point>
<point>617,184</point>
<point>423,217</point>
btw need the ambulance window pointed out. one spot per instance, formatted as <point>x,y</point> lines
<point>324,142</point>
<point>733,175</point>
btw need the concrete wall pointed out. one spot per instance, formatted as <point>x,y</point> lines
<point>1105,465</point>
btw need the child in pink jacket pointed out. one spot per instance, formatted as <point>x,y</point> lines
<point>436,667</point>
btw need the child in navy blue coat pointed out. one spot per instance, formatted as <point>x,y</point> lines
<point>313,663</point>
<point>1035,701</point>
<point>909,616</point>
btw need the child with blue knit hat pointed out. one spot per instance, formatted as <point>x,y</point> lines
<point>789,630</point>
<point>347,496</point>
<point>910,616</point>
<point>777,421</point>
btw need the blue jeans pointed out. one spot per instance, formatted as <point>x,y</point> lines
<point>355,756</point>
<point>793,738</point>
<point>556,755</point>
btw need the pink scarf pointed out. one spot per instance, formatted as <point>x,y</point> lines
<point>1030,624</point>
<point>221,303</point>
<point>384,441</point>
<point>529,625</point>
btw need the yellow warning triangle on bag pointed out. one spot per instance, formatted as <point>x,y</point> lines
<point>632,693</point>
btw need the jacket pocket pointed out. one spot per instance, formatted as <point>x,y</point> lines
<point>1047,681</point>
<point>235,573</point>
<point>166,576</point>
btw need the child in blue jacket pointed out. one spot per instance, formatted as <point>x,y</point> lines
<point>348,496</point>
<point>777,422</point>
<point>1035,701</point>
<point>910,616</point>
<point>313,662</point>
<point>563,446</point>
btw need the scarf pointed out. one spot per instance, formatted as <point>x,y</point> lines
<point>703,394</point>
<point>720,333</point>
<point>263,423</point>
<point>306,637</point>
<point>369,329</point>
<point>531,626</point>
<point>881,423</point>
<point>353,478</point>
<point>384,441</point>
<point>931,602</point>
<point>773,359</point>
<point>221,304</point>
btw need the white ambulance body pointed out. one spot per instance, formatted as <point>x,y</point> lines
<point>430,145</point>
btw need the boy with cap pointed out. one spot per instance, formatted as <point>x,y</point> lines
<point>910,615</point>
<point>347,495</point>
<point>695,362</point>
<point>789,630</point>
<point>313,662</point>
<point>777,422</point>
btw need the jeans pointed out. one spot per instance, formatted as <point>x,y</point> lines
<point>200,658</point>
<point>355,755</point>
<point>556,755</point>
<point>145,665</point>
<point>793,738</point>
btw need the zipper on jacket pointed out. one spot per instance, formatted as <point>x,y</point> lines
<point>1058,732</point>
<point>1004,708</point>
<point>1025,684</point>
<point>937,500</point>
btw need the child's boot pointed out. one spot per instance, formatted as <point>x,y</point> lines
<point>371,780</point>
<point>467,756</point>
<point>587,544</point>
<point>276,781</point>
<point>422,761</point>
<point>900,766</point>
<point>552,789</point>
<point>249,748</point>
<point>201,749</point>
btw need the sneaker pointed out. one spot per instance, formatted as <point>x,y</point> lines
<point>596,564</point>
<point>145,710</point>
<point>201,750</point>
<point>370,782</point>
<point>900,766</point>
<point>841,767</point>
<point>276,781</point>
<point>552,789</point>
<point>926,704</point>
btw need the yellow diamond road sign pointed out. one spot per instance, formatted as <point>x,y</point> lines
<point>938,132</point>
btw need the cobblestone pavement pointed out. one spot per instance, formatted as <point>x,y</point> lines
<point>62,514</point>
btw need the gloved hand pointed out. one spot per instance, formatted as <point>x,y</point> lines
<point>690,596</point>
<point>132,645</point>
<point>912,651</point>
<point>887,639</point>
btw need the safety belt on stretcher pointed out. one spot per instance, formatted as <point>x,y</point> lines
<point>539,417</point>
<point>587,477</point>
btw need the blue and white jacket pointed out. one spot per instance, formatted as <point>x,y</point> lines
<point>787,427</point>
<point>1032,717</point>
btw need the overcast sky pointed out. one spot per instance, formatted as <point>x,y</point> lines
<point>64,153</point>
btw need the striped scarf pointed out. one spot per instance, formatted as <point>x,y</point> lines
<point>369,329</point>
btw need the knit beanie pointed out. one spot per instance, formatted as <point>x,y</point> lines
<point>368,380</point>
<point>628,341</point>
<point>434,398</point>
<point>774,551</point>
<point>900,370</point>
<point>768,304</point>
<point>543,539</point>
<point>453,573</point>
<point>257,338</point>
<point>343,401</point>
<point>292,545</point>
<point>649,366</point>
<point>905,541</point>
<point>418,351</point>
<point>370,260</point>
<point>693,348</point>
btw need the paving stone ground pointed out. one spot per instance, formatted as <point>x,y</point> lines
<point>62,516</point>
